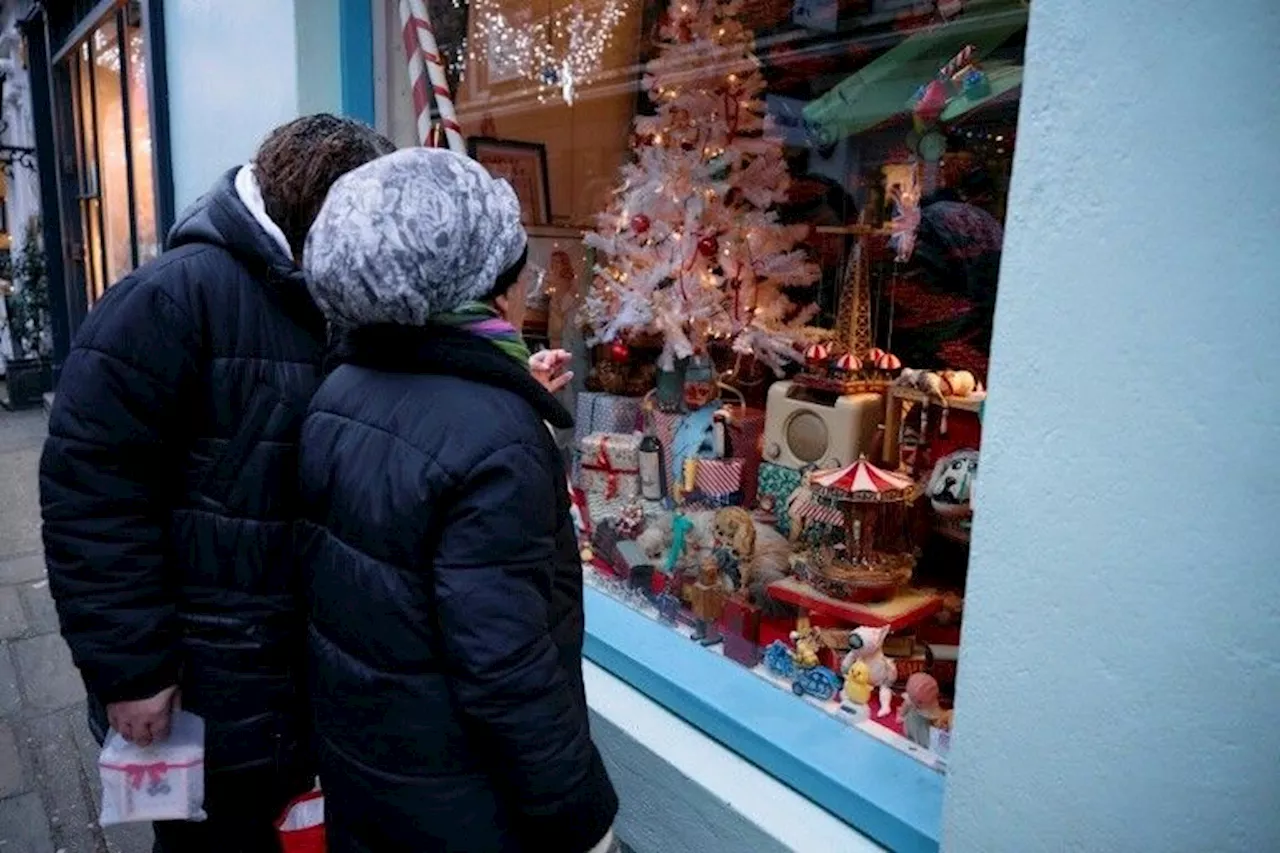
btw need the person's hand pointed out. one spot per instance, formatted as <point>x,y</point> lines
<point>548,366</point>
<point>144,721</point>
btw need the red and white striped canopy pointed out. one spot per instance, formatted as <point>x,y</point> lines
<point>849,363</point>
<point>817,353</point>
<point>863,481</point>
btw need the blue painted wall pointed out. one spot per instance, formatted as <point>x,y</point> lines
<point>356,55</point>
<point>318,27</point>
<point>232,67</point>
<point>1120,670</point>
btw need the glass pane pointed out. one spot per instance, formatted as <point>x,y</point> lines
<point>89,143</point>
<point>800,198</point>
<point>112,163</point>
<point>91,233</point>
<point>140,139</point>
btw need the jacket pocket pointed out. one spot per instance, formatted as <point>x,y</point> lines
<point>218,483</point>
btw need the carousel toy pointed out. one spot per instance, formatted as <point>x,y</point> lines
<point>877,557</point>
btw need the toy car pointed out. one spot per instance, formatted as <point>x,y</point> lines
<point>777,657</point>
<point>818,682</point>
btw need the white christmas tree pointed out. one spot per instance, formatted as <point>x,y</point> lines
<point>691,247</point>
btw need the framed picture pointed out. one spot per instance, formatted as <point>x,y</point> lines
<point>555,281</point>
<point>524,165</point>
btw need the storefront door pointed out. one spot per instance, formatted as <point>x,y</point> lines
<point>105,152</point>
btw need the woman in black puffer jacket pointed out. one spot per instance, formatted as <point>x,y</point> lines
<point>446,589</point>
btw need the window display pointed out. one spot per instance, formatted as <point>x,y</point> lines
<point>790,218</point>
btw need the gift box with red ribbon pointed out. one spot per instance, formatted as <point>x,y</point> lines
<point>610,464</point>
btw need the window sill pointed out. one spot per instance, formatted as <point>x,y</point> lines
<point>872,787</point>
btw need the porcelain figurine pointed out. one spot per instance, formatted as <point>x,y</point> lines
<point>808,644</point>
<point>920,710</point>
<point>867,646</point>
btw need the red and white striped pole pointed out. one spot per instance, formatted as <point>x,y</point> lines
<point>427,75</point>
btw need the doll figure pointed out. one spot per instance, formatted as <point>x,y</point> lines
<point>867,646</point>
<point>920,710</point>
<point>707,596</point>
<point>808,644</point>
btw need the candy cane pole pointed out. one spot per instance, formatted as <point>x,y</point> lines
<point>961,59</point>
<point>417,74</point>
<point>413,15</point>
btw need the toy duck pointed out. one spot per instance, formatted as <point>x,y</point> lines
<point>857,683</point>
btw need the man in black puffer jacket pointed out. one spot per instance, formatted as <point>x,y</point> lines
<point>168,484</point>
<point>446,587</point>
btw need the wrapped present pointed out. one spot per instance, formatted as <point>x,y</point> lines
<point>744,428</point>
<point>717,483</point>
<point>775,486</point>
<point>664,426</point>
<point>610,465</point>
<point>742,619</point>
<point>600,412</point>
<point>742,650</point>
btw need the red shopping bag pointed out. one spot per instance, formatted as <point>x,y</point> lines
<point>301,827</point>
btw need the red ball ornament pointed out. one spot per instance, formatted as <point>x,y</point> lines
<point>619,352</point>
<point>640,223</point>
<point>708,246</point>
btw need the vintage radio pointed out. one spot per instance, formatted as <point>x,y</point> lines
<point>808,426</point>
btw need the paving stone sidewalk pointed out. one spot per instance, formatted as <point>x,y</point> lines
<point>48,759</point>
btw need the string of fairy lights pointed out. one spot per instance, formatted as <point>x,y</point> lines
<point>558,52</point>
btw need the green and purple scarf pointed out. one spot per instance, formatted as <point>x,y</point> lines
<point>483,320</point>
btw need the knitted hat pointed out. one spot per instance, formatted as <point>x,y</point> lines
<point>415,233</point>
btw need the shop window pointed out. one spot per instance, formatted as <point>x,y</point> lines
<point>771,237</point>
<point>107,156</point>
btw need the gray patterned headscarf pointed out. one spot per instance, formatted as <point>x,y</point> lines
<point>415,233</point>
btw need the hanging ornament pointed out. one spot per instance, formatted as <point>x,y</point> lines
<point>550,76</point>
<point>619,352</point>
<point>640,223</point>
<point>684,33</point>
<point>718,168</point>
<point>708,246</point>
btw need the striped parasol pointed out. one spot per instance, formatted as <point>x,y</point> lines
<point>863,482</point>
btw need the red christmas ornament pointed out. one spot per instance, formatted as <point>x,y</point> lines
<point>640,223</point>
<point>708,246</point>
<point>619,352</point>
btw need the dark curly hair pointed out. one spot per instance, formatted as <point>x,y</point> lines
<point>298,162</point>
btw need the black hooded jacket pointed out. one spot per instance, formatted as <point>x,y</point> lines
<point>168,484</point>
<point>446,604</point>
